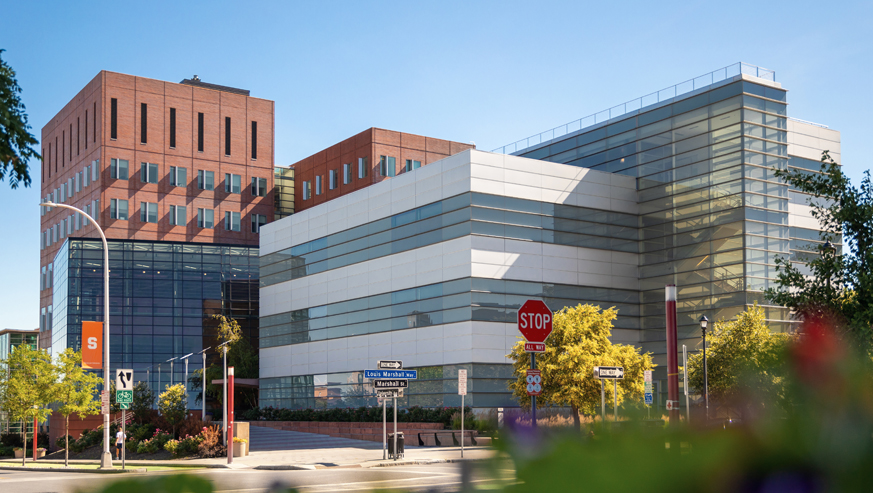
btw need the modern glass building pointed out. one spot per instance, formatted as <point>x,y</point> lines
<point>9,340</point>
<point>163,295</point>
<point>429,267</point>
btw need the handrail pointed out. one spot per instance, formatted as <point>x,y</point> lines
<point>636,104</point>
<point>808,122</point>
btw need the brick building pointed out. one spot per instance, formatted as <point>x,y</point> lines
<point>360,161</point>
<point>180,177</point>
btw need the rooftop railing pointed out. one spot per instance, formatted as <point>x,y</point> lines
<point>690,85</point>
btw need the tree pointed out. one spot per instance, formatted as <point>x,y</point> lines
<point>579,342</point>
<point>29,387</point>
<point>75,392</point>
<point>143,400</point>
<point>15,137</point>
<point>743,360</point>
<point>841,285</point>
<point>173,404</point>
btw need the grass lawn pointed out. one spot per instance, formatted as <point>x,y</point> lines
<point>45,465</point>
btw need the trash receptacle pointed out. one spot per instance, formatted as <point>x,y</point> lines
<point>400,445</point>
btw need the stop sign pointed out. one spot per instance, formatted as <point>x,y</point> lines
<point>535,321</point>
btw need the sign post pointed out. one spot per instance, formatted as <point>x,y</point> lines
<point>462,390</point>
<point>389,380</point>
<point>647,389</point>
<point>614,373</point>
<point>384,429</point>
<point>124,398</point>
<point>535,324</point>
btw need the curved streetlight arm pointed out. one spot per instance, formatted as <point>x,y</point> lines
<point>106,458</point>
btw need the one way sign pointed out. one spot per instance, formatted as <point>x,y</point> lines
<point>124,379</point>
<point>611,372</point>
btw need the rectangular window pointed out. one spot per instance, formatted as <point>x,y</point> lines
<point>318,185</point>
<point>95,169</point>
<point>205,180</point>
<point>70,188</point>
<point>178,177</point>
<point>347,174</point>
<point>95,207</point>
<point>42,279</point>
<point>143,122</point>
<point>113,119</point>
<point>307,190</point>
<point>78,177</point>
<point>362,167</point>
<point>85,218</point>
<point>94,134</point>
<point>258,220</point>
<point>118,209</point>
<point>148,212</point>
<point>86,130</point>
<point>259,187</point>
<point>63,146</point>
<point>254,140</point>
<point>172,128</point>
<point>63,192</point>
<point>411,165</point>
<point>231,221</point>
<point>50,282</point>
<point>232,183</point>
<point>69,223</point>
<point>71,143</point>
<point>48,316</point>
<point>54,233</point>
<point>227,136</point>
<point>387,166</point>
<point>149,173</point>
<point>177,215</point>
<point>118,169</point>
<point>205,218</point>
<point>78,136</point>
<point>200,132</point>
<point>86,176</point>
<point>332,178</point>
<point>77,221</point>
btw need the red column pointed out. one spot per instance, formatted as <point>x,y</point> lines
<point>230,415</point>
<point>672,355</point>
<point>34,437</point>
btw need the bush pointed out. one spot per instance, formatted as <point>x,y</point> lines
<point>61,444</point>
<point>11,440</point>
<point>470,421</point>
<point>5,451</point>
<point>184,447</point>
<point>42,440</point>
<point>152,445</point>
<point>355,415</point>
<point>211,445</point>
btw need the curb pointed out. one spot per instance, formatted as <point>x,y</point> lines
<point>72,469</point>
<point>300,467</point>
<point>421,462</point>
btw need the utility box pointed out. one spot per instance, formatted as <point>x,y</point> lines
<point>400,445</point>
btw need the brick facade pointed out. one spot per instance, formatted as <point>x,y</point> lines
<point>371,144</point>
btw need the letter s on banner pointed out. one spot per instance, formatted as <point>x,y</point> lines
<point>92,345</point>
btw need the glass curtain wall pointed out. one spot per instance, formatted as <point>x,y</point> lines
<point>712,214</point>
<point>163,297</point>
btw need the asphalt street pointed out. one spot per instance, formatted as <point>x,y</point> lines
<point>431,477</point>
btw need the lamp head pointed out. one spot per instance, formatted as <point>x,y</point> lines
<point>703,321</point>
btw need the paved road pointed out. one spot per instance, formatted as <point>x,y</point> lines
<point>431,477</point>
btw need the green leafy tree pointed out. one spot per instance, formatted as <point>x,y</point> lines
<point>16,141</point>
<point>75,391</point>
<point>743,362</point>
<point>841,285</point>
<point>578,343</point>
<point>29,387</point>
<point>143,400</point>
<point>173,405</point>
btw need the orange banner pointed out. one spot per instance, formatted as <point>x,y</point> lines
<point>92,345</point>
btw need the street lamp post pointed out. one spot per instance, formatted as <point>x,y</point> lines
<point>106,456</point>
<point>203,386</point>
<point>171,361</point>
<point>703,321</point>
<point>223,347</point>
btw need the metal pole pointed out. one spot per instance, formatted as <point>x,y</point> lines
<point>685,382</point>
<point>705,377</point>
<point>123,437</point>
<point>203,389</point>
<point>384,429</point>
<point>106,457</point>
<point>34,438</point>
<point>462,426</point>
<point>615,400</point>
<point>224,400</point>
<point>395,428</point>
<point>533,398</point>
<point>230,416</point>
<point>171,373</point>
<point>186,377</point>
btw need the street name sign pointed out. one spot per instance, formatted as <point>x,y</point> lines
<point>610,372</point>
<point>535,322</point>
<point>402,374</point>
<point>534,381</point>
<point>462,382</point>
<point>389,365</point>
<point>534,347</point>
<point>389,393</point>
<point>390,384</point>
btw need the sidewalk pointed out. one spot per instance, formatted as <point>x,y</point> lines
<point>315,458</point>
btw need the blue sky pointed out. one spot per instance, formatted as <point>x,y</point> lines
<point>483,72</point>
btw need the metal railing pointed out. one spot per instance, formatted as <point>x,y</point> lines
<point>808,122</point>
<point>690,85</point>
